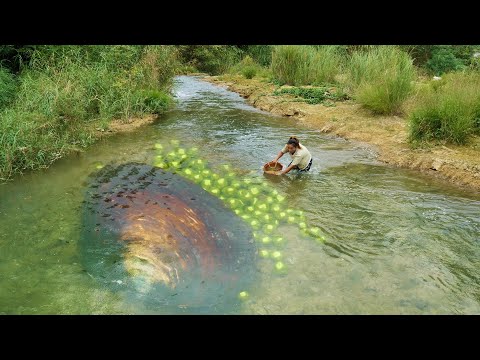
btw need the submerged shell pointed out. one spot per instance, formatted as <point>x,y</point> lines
<point>166,238</point>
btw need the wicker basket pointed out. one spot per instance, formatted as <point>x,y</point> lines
<point>271,168</point>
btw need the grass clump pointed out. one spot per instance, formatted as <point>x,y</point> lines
<point>447,111</point>
<point>381,78</point>
<point>305,65</point>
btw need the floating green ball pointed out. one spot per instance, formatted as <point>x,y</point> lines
<point>222,198</point>
<point>266,240</point>
<point>174,142</point>
<point>183,157</point>
<point>269,228</point>
<point>289,211</point>
<point>291,219</point>
<point>175,164</point>
<point>181,151</point>
<point>302,225</point>
<point>278,240</point>
<point>197,177</point>
<point>206,172</point>
<point>236,184</point>
<point>230,190</point>
<point>159,158</point>
<point>234,203</point>
<point>246,217</point>
<point>274,192</point>
<point>276,208</point>
<point>255,190</point>
<point>221,182</point>
<point>279,266</point>
<point>270,200</point>
<point>255,224</point>
<point>250,209</point>
<point>172,155</point>
<point>280,198</point>
<point>315,231</point>
<point>282,215</point>
<point>264,253</point>
<point>237,211</point>
<point>276,255</point>
<point>207,182</point>
<point>215,191</point>
<point>258,213</point>
<point>188,172</point>
<point>243,295</point>
<point>262,207</point>
<point>247,181</point>
<point>215,176</point>
<point>99,166</point>
<point>267,217</point>
<point>158,146</point>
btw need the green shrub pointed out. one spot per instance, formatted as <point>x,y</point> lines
<point>261,54</point>
<point>152,101</point>
<point>212,59</point>
<point>381,78</point>
<point>7,87</point>
<point>444,60</point>
<point>305,65</point>
<point>449,112</point>
<point>314,95</point>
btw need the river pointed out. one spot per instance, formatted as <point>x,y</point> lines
<point>399,242</point>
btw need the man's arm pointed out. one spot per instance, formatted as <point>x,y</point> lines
<point>286,170</point>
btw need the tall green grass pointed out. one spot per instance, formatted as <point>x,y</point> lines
<point>381,78</point>
<point>65,92</point>
<point>7,87</point>
<point>305,65</point>
<point>448,110</point>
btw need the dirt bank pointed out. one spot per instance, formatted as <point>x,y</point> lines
<point>388,134</point>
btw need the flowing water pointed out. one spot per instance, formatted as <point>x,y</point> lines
<point>398,241</point>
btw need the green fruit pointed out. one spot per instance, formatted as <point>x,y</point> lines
<point>215,191</point>
<point>174,142</point>
<point>158,146</point>
<point>197,177</point>
<point>172,155</point>
<point>291,219</point>
<point>247,181</point>
<point>289,211</point>
<point>276,208</point>
<point>264,253</point>
<point>230,175</point>
<point>255,224</point>
<point>192,150</point>
<point>222,198</point>
<point>270,200</point>
<point>278,240</point>
<point>250,209</point>
<point>280,198</point>
<point>279,266</point>
<point>206,172</point>
<point>181,151</point>
<point>159,158</point>
<point>99,166</point>
<point>315,231</point>
<point>188,172</point>
<point>282,215</point>
<point>221,182</point>
<point>274,192</point>
<point>257,235</point>
<point>183,157</point>
<point>243,295</point>
<point>266,240</point>
<point>262,207</point>
<point>236,184</point>
<point>237,211</point>
<point>302,225</point>
<point>234,203</point>
<point>268,228</point>
<point>267,217</point>
<point>229,190</point>
<point>200,163</point>
<point>320,239</point>
<point>215,176</point>
<point>304,232</point>
<point>246,217</point>
<point>258,213</point>
<point>207,182</point>
<point>247,196</point>
<point>277,255</point>
<point>254,190</point>
<point>175,164</point>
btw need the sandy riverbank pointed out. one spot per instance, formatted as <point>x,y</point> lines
<point>387,134</point>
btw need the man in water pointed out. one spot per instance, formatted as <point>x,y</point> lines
<point>301,158</point>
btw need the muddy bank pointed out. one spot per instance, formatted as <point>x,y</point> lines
<point>387,134</point>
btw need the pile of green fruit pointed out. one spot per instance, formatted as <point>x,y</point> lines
<point>256,202</point>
